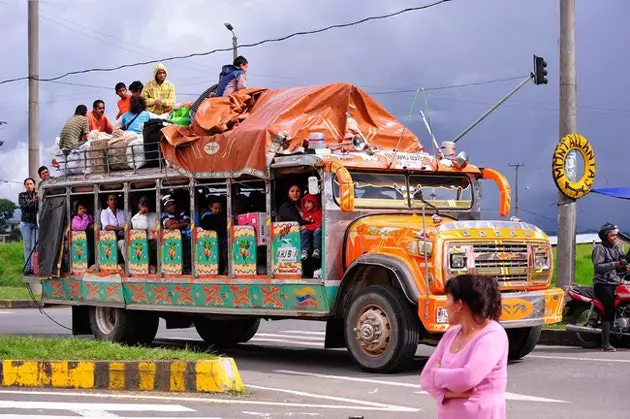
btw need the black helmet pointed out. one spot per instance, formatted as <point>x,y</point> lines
<point>604,230</point>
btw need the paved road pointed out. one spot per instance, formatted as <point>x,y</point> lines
<point>289,374</point>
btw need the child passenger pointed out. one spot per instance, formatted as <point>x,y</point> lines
<point>311,233</point>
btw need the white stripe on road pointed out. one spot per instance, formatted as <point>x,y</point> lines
<point>206,400</point>
<point>302,332</point>
<point>278,335</point>
<point>292,342</point>
<point>576,358</point>
<point>508,396</point>
<point>337,399</point>
<point>7,312</point>
<point>9,416</point>
<point>98,407</point>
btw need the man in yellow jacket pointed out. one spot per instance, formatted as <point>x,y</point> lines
<point>159,93</point>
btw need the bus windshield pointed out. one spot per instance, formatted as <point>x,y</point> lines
<point>404,191</point>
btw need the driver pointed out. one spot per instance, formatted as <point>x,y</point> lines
<point>609,265</point>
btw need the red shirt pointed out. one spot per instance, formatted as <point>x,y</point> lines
<point>124,105</point>
<point>102,124</point>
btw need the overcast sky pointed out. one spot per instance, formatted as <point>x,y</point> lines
<point>460,41</point>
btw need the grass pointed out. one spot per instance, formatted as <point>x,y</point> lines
<point>15,293</point>
<point>36,348</point>
<point>11,264</point>
<point>583,265</point>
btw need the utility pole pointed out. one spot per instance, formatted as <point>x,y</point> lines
<point>516,166</point>
<point>234,40</point>
<point>567,217</point>
<point>33,87</point>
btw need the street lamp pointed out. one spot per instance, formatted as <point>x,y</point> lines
<point>234,39</point>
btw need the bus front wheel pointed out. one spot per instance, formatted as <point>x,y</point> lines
<point>123,326</point>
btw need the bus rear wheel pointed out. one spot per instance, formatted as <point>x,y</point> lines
<point>123,326</point>
<point>382,329</point>
<point>226,332</point>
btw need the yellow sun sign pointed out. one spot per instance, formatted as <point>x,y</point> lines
<point>564,166</point>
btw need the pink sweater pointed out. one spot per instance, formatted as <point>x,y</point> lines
<point>481,364</point>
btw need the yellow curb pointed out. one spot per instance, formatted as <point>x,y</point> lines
<point>206,376</point>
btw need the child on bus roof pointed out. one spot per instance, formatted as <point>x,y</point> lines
<point>311,233</point>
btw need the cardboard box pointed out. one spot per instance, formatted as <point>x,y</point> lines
<point>258,221</point>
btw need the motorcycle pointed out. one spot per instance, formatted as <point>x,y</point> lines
<point>585,314</point>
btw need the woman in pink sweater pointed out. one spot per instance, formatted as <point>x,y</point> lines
<point>467,373</point>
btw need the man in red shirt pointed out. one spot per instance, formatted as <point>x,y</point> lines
<point>124,103</point>
<point>97,118</point>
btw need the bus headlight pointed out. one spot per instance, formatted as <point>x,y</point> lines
<point>458,261</point>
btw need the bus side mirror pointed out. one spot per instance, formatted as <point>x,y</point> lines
<point>346,186</point>
<point>505,193</point>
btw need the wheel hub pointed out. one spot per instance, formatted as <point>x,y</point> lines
<point>373,331</point>
<point>106,319</point>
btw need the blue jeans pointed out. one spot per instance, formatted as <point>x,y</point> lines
<point>29,235</point>
<point>311,239</point>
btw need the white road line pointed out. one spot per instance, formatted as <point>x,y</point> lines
<point>95,414</point>
<point>508,395</point>
<point>337,399</point>
<point>7,312</point>
<point>204,400</point>
<point>576,358</point>
<point>293,342</point>
<point>93,407</point>
<point>14,416</point>
<point>302,332</point>
<point>277,335</point>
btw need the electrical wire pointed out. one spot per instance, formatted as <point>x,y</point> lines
<point>214,51</point>
<point>452,86</point>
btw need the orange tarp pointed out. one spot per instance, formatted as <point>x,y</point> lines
<point>234,135</point>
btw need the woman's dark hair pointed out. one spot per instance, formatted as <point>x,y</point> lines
<point>138,104</point>
<point>480,294</point>
<point>29,178</point>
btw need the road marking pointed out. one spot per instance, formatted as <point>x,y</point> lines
<point>576,358</point>
<point>278,335</point>
<point>92,407</point>
<point>95,414</point>
<point>7,312</point>
<point>508,395</point>
<point>302,332</point>
<point>337,399</point>
<point>205,400</point>
<point>293,342</point>
<point>14,416</point>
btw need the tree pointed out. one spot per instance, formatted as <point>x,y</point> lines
<point>7,208</point>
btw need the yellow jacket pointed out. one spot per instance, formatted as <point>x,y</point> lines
<point>153,91</point>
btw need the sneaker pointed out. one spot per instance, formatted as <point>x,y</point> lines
<point>317,254</point>
<point>304,255</point>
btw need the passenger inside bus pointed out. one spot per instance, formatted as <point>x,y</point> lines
<point>172,219</point>
<point>146,220</point>
<point>114,219</point>
<point>83,221</point>
<point>215,219</point>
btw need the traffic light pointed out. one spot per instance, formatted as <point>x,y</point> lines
<point>540,70</point>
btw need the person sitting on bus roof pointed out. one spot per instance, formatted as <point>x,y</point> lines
<point>233,77</point>
<point>159,92</point>
<point>98,120</point>
<point>145,220</point>
<point>136,88</point>
<point>135,119</point>
<point>124,103</point>
<point>114,219</point>
<point>174,220</point>
<point>74,130</point>
<point>215,219</point>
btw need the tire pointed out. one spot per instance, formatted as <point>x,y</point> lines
<point>226,332</point>
<point>522,341</point>
<point>380,307</point>
<point>578,317</point>
<point>123,326</point>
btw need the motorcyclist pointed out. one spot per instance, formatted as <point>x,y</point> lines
<point>610,265</point>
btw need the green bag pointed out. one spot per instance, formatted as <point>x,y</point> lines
<point>180,116</point>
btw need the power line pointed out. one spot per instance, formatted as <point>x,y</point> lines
<point>452,86</point>
<point>214,51</point>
